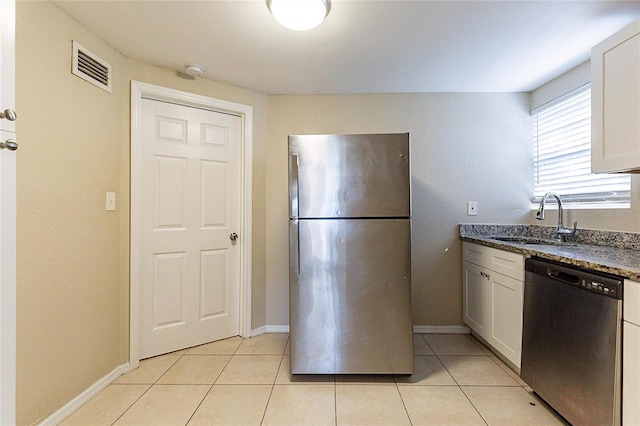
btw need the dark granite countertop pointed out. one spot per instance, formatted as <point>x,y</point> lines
<point>615,253</point>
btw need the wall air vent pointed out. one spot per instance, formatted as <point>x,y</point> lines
<point>90,67</point>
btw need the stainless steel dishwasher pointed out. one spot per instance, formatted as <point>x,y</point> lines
<point>571,341</point>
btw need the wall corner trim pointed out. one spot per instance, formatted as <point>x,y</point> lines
<point>85,396</point>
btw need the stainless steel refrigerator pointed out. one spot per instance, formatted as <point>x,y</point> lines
<point>350,254</point>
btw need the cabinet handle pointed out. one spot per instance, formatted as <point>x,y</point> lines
<point>8,114</point>
<point>485,275</point>
<point>9,144</point>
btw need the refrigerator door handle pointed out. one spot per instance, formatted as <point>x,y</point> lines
<point>293,188</point>
<point>294,252</point>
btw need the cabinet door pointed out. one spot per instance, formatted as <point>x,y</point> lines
<point>631,302</point>
<point>506,316</point>
<point>615,102</point>
<point>630,374</point>
<point>476,299</point>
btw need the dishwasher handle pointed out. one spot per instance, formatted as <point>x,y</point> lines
<point>563,277</point>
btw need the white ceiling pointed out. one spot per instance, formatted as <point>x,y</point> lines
<point>363,46</point>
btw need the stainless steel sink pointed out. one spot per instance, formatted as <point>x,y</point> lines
<point>531,240</point>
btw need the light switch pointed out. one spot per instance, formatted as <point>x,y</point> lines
<point>472,208</point>
<point>111,201</point>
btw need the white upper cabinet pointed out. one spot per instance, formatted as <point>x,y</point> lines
<point>615,102</point>
<point>7,58</point>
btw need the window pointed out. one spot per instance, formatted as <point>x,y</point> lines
<point>562,156</point>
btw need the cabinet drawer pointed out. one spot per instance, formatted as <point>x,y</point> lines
<point>504,262</point>
<point>631,302</point>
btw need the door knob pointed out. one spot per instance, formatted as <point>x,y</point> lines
<point>233,237</point>
<point>9,114</point>
<point>9,144</point>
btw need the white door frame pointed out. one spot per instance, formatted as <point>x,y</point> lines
<point>8,230</point>
<point>138,91</point>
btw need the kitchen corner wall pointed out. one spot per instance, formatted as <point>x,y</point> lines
<point>464,146</point>
<point>68,246</point>
<point>627,220</point>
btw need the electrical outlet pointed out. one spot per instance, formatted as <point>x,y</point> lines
<point>472,208</point>
<point>111,201</point>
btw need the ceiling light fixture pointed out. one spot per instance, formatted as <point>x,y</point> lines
<point>194,70</point>
<point>299,15</point>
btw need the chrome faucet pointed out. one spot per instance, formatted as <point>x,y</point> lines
<point>561,231</point>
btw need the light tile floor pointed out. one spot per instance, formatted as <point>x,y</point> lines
<point>457,381</point>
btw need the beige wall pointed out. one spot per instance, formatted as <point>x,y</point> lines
<point>627,220</point>
<point>68,259</point>
<point>464,147</point>
<point>73,285</point>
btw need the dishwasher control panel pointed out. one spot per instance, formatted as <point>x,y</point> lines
<point>608,289</point>
<point>597,282</point>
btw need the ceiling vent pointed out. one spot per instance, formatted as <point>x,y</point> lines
<point>90,67</point>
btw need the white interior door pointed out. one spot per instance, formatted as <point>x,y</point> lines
<point>190,211</point>
<point>7,217</point>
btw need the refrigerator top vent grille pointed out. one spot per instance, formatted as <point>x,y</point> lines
<point>90,67</point>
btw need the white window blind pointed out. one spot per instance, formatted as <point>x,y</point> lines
<point>562,154</point>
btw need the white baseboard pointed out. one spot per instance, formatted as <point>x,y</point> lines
<point>269,329</point>
<point>441,329</point>
<point>258,331</point>
<point>424,329</point>
<point>277,329</point>
<point>85,396</point>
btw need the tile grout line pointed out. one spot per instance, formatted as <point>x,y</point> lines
<point>199,404</point>
<point>155,383</point>
<point>273,385</point>
<point>211,387</point>
<point>426,343</point>
<point>460,387</point>
<point>507,370</point>
<point>473,405</point>
<point>170,367</point>
<point>146,391</point>
<point>402,400</point>
<point>133,403</point>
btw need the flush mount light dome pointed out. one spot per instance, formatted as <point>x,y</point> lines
<point>299,15</point>
<point>194,70</point>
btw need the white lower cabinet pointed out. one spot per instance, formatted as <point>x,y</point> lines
<point>630,374</point>
<point>631,354</point>
<point>506,316</point>
<point>493,286</point>
<point>477,298</point>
